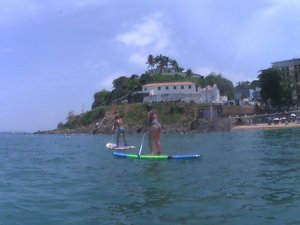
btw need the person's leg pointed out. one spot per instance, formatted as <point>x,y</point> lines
<point>157,140</point>
<point>151,140</point>
<point>124,138</point>
<point>118,138</point>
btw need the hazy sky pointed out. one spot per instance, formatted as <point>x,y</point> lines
<point>54,55</point>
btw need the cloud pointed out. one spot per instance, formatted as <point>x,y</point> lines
<point>150,32</point>
<point>148,37</point>
<point>138,58</point>
<point>266,28</point>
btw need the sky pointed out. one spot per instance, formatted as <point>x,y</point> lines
<point>55,55</point>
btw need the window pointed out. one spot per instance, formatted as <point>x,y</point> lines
<point>167,87</point>
<point>182,87</point>
<point>174,87</point>
<point>145,89</point>
<point>159,88</point>
<point>190,86</point>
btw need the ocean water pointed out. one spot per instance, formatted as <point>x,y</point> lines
<point>249,177</point>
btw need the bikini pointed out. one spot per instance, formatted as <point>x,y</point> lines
<point>121,130</point>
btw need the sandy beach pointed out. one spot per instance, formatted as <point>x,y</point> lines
<point>266,126</point>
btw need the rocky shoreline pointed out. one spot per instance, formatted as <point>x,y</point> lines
<point>195,126</point>
<point>266,126</point>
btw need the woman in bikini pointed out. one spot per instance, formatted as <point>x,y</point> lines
<point>154,132</point>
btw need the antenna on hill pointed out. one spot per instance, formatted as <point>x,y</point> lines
<point>82,108</point>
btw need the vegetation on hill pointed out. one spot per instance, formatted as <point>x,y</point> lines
<point>178,115</point>
<point>275,89</point>
<point>124,85</point>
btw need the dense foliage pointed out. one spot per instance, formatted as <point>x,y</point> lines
<point>275,88</point>
<point>225,86</point>
<point>124,86</point>
<point>74,121</point>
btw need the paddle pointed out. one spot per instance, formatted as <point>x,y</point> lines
<point>142,144</point>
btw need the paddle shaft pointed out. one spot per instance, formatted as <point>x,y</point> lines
<point>142,144</point>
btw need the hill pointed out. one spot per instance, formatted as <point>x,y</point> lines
<point>174,117</point>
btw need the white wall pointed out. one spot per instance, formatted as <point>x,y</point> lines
<point>170,88</point>
<point>189,92</point>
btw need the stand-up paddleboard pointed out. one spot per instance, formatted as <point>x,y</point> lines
<point>136,156</point>
<point>120,147</point>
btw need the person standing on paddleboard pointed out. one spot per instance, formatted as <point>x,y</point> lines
<point>119,125</point>
<point>154,132</point>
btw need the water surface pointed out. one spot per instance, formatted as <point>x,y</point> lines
<point>249,177</point>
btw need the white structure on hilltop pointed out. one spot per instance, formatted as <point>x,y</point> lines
<point>181,91</point>
<point>170,88</point>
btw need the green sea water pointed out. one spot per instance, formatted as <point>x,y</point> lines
<point>249,177</point>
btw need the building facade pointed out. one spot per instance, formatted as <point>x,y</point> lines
<point>180,91</point>
<point>170,88</point>
<point>291,68</point>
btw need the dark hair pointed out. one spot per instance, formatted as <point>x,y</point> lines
<point>149,107</point>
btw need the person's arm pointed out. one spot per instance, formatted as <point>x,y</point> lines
<point>146,125</point>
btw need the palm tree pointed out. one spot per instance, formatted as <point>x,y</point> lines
<point>189,73</point>
<point>158,59</point>
<point>163,61</point>
<point>174,65</point>
<point>150,61</point>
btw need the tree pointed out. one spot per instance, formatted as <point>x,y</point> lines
<point>101,98</point>
<point>150,61</point>
<point>243,85</point>
<point>275,87</point>
<point>162,62</point>
<point>189,73</point>
<point>225,86</point>
<point>174,65</point>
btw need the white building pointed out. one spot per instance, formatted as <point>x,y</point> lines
<point>210,94</point>
<point>170,88</point>
<point>181,91</point>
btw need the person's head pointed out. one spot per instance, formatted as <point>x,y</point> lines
<point>149,107</point>
<point>117,117</point>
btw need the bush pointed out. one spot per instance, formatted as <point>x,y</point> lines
<point>176,109</point>
<point>96,113</point>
